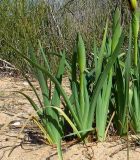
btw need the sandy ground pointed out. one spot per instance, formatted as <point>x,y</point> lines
<point>15,112</point>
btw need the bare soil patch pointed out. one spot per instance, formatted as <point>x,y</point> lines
<point>15,112</point>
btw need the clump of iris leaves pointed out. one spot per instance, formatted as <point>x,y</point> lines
<point>104,93</point>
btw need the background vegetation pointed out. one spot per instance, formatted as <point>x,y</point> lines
<point>55,24</point>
